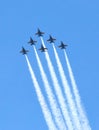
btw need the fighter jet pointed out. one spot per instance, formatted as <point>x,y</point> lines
<point>39,33</point>
<point>62,46</point>
<point>43,49</point>
<point>23,51</point>
<point>51,39</point>
<point>32,42</point>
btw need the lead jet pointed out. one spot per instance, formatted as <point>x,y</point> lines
<point>39,33</point>
<point>32,42</point>
<point>62,46</point>
<point>23,51</point>
<point>43,49</point>
<point>51,39</point>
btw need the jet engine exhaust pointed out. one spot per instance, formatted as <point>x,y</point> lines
<point>44,107</point>
<point>58,90</point>
<point>83,118</point>
<point>53,103</point>
<point>71,103</point>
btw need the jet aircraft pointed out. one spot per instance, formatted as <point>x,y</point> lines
<point>43,49</point>
<point>23,51</point>
<point>62,46</point>
<point>51,39</point>
<point>39,33</point>
<point>32,42</point>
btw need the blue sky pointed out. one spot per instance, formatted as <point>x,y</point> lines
<point>74,22</point>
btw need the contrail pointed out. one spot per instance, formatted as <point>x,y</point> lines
<point>53,103</point>
<point>44,107</point>
<point>58,91</point>
<point>68,93</point>
<point>83,117</point>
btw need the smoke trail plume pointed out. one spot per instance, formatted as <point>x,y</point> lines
<point>53,103</point>
<point>68,93</point>
<point>44,107</point>
<point>83,117</point>
<point>58,91</point>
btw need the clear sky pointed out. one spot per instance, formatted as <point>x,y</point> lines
<point>75,23</point>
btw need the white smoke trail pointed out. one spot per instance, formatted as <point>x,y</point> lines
<point>83,117</point>
<point>44,107</point>
<point>53,103</point>
<point>58,91</point>
<point>68,93</point>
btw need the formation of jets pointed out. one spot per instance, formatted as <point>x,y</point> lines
<point>42,49</point>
